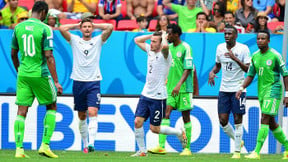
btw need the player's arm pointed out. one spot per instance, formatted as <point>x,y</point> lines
<point>64,30</point>
<point>284,73</point>
<point>285,101</point>
<point>183,78</point>
<point>14,55</point>
<point>130,9</point>
<point>140,41</point>
<point>242,65</point>
<point>165,50</point>
<point>106,28</point>
<point>213,72</point>
<point>195,83</point>
<point>150,8</point>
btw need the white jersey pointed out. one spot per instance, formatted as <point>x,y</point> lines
<point>157,71</point>
<point>86,56</point>
<point>232,74</point>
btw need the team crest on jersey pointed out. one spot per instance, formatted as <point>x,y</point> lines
<point>268,62</point>
<point>179,54</point>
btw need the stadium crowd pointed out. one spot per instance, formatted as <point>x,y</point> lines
<point>144,15</point>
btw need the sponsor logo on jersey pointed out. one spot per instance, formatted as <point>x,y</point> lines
<point>268,62</point>
<point>179,54</point>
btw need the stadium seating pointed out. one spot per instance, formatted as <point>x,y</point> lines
<point>273,25</point>
<point>127,25</point>
<point>153,24</point>
<point>26,3</point>
<point>99,21</point>
<point>69,21</point>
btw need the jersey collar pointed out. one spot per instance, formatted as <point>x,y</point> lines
<point>34,19</point>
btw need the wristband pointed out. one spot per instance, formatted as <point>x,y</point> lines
<point>286,93</point>
<point>242,88</point>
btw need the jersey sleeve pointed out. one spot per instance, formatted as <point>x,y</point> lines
<point>247,54</point>
<point>188,60</point>
<point>14,43</point>
<point>147,47</point>
<point>48,39</point>
<point>218,51</point>
<point>251,70</point>
<point>282,67</point>
<point>176,8</point>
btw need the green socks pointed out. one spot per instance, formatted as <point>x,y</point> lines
<point>49,126</point>
<point>162,137</point>
<point>188,129</point>
<point>262,134</point>
<point>280,136</point>
<point>19,127</point>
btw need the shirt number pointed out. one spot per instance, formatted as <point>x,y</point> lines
<point>228,66</point>
<point>29,45</point>
<point>261,69</point>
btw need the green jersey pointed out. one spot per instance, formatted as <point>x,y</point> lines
<point>187,18</point>
<point>182,59</point>
<point>32,38</point>
<point>268,66</point>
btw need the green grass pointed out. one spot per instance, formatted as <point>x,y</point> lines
<point>71,156</point>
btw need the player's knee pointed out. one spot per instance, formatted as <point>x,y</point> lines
<point>22,112</point>
<point>92,112</point>
<point>223,122</point>
<point>82,115</point>
<point>138,123</point>
<point>155,129</point>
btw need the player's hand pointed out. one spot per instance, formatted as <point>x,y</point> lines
<point>230,54</point>
<point>211,78</point>
<point>175,91</point>
<point>59,88</point>
<point>285,102</point>
<point>238,94</point>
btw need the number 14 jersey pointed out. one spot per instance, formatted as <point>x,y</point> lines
<point>232,74</point>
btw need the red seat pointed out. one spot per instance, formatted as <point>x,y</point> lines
<point>153,24</point>
<point>99,21</point>
<point>273,25</point>
<point>26,3</point>
<point>123,8</point>
<point>127,25</point>
<point>69,21</point>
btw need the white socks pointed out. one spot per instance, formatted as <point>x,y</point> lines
<point>238,137</point>
<point>170,131</point>
<point>92,129</point>
<point>139,136</point>
<point>228,129</point>
<point>83,128</point>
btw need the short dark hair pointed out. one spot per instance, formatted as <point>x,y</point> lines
<point>202,13</point>
<point>229,12</point>
<point>266,32</point>
<point>140,19</point>
<point>228,26</point>
<point>87,19</point>
<point>175,29</point>
<point>158,33</point>
<point>40,6</point>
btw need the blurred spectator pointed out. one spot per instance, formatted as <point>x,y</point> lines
<point>278,10</point>
<point>162,10</point>
<point>162,23</point>
<point>208,3</point>
<point>80,6</point>
<point>142,23</point>
<point>202,25</point>
<point>22,17</point>
<point>218,15</point>
<point>55,4</point>
<point>232,5</point>
<point>186,14</point>
<point>246,14</point>
<point>261,22</point>
<point>136,8</point>
<point>10,13</point>
<point>53,21</point>
<point>2,4</point>
<point>229,18</point>
<point>264,5</point>
<point>110,9</point>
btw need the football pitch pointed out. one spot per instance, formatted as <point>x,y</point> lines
<point>71,156</point>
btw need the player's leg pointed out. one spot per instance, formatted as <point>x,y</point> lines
<point>24,99</point>
<point>83,129</point>
<point>238,110</point>
<point>185,106</point>
<point>141,114</point>
<point>224,108</point>
<point>93,102</point>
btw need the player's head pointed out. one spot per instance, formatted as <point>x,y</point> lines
<point>142,22</point>
<point>40,8</point>
<point>156,40</point>
<point>86,27</point>
<point>263,39</point>
<point>230,34</point>
<point>174,32</point>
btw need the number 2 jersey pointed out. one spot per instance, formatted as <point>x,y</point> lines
<point>232,74</point>
<point>268,66</point>
<point>32,38</point>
